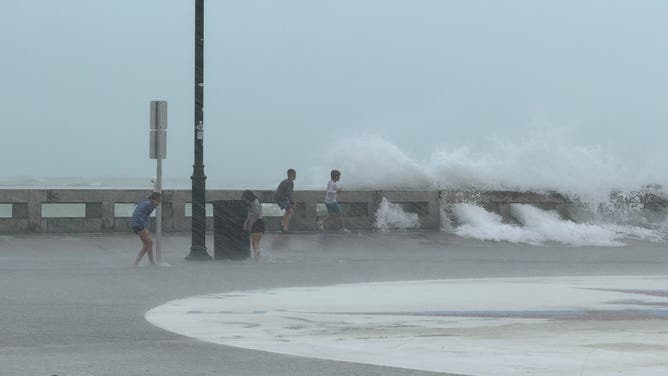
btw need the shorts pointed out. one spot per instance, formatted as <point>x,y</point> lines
<point>285,205</point>
<point>138,228</point>
<point>258,226</point>
<point>333,207</point>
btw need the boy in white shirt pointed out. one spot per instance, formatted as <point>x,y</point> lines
<point>333,209</point>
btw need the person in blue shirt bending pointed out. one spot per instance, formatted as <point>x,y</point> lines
<point>139,224</point>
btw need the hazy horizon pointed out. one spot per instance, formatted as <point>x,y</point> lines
<point>523,93</point>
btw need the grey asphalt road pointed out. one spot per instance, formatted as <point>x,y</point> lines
<point>73,305</point>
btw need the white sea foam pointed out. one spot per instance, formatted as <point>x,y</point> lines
<point>554,228</point>
<point>551,161</point>
<point>477,223</point>
<point>538,227</point>
<point>391,216</point>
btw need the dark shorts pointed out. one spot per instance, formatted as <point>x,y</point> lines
<point>258,226</point>
<point>333,207</point>
<point>285,205</point>
<point>137,228</point>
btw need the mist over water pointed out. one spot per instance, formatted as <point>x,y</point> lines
<point>552,161</point>
<point>538,163</point>
<point>547,162</point>
<point>588,175</point>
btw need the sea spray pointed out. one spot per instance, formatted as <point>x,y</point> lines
<point>540,227</point>
<point>446,218</point>
<point>538,162</point>
<point>551,227</point>
<point>478,223</point>
<point>370,162</point>
<point>391,216</point>
<point>601,188</point>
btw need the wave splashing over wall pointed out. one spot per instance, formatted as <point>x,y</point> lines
<point>536,226</point>
<point>544,162</point>
<point>392,217</point>
<point>609,195</point>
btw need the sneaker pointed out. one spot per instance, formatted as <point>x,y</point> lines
<point>345,230</point>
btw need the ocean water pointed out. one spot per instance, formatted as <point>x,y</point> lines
<point>607,188</point>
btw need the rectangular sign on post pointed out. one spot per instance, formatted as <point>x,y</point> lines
<point>158,147</point>
<point>158,133</point>
<point>158,114</point>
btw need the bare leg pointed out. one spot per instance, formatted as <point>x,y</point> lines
<point>255,241</point>
<point>147,246</point>
<point>150,254</point>
<point>286,218</point>
<point>337,218</point>
<point>340,220</point>
<point>139,256</point>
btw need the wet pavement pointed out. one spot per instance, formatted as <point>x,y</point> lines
<point>73,305</point>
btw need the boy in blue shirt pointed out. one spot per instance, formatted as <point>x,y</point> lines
<point>139,224</point>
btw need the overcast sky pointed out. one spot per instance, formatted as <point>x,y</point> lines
<point>286,79</point>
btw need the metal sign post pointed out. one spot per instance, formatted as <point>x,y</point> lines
<point>158,151</point>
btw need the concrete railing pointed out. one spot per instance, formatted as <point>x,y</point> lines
<point>107,210</point>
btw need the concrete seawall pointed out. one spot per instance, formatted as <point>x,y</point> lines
<point>107,210</point>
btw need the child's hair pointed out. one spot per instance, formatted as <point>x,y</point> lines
<point>248,195</point>
<point>155,196</point>
<point>291,171</point>
<point>335,173</point>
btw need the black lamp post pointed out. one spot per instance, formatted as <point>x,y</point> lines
<point>198,245</point>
